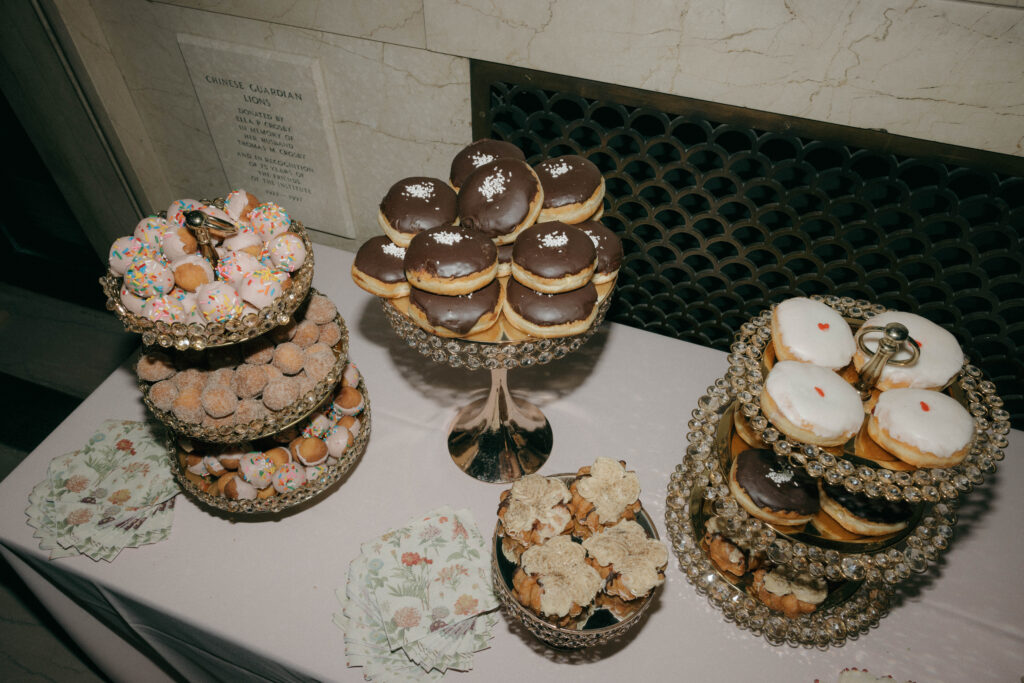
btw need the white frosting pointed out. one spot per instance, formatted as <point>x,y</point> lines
<point>563,574</point>
<point>814,332</point>
<point>940,359</point>
<point>610,488</point>
<point>927,420</point>
<point>631,553</point>
<point>815,398</point>
<point>537,499</point>
<point>803,586</point>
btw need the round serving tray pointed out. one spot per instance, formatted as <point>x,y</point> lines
<point>257,429</point>
<point>279,502</point>
<point>600,627</point>
<point>195,336</point>
<point>746,376</point>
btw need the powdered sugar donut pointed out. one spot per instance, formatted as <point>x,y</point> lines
<point>289,477</point>
<point>148,230</point>
<point>940,355</point>
<point>811,404</point>
<point>176,211</point>
<point>269,220</point>
<point>287,251</point>
<point>147,277</point>
<point>164,308</point>
<point>123,251</point>
<point>192,271</point>
<point>257,469</point>
<point>234,266</point>
<point>811,332</point>
<point>177,242</point>
<point>238,204</point>
<point>218,301</point>
<point>922,428</point>
<point>261,287</point>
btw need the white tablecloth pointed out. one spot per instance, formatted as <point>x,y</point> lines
<point>255,599</point>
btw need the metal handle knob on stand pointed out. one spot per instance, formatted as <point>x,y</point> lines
<point>894,337</point>
<point>199,224</point>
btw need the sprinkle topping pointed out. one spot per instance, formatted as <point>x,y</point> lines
<point>392,249</point>
<point>480,158</point>
<point>446,237</point>
<point>554,239</point>
<point>558,169</point>
<point>419,190</point>
<point>780,477</point>
<point>493,185</point>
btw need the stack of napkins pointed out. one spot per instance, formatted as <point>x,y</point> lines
<point>116,492</point>
<point>419,599</point>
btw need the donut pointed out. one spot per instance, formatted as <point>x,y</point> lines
<point>321,309</point>
<point>244,240</point>
<point>237,488</point>
<point>550,315</point>
<point>770,489</point>
<point>338,440</point>
<point>146,277</point>
<point>865,447</point>
<point>349,422</point>
<point>154,366</point>
<point>149,229</point>
<point>166,308</point>
<point>176,211</point>
<point>922,428</point>
<point>505,259</point>
<point>476,154</point>
<point>177,242</point>
<point>131,302</point>
<point>287,251</point>
<point>234,266</point>
<point>319,425</point>
<point>309,450</point>
<point>811,332</point>
<point>859,514</point>
<point>379,268</point>
<point>123,251</point>
<point>573,188</point>
<point>553,257</point>
<point>238,204</point>
<point>457,316</point>
<point>811,404</point>
<point>306,333</point>
<point>289,477</point>
<point>939,361</point>
<point>218,301</point>
<point>450,260</point>
<point>262,287</point>
<point>192,271</point>
<point>350,376</point>
<point>268,220</point>
<point>609,250</point>
<point>415,204</point>
<point>347,401</point>
<point>500,199</point>
<point>257,469</point>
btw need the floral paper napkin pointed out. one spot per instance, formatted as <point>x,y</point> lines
<point>115,492</point>
<point>419,599</point>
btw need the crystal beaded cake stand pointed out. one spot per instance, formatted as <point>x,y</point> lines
<point>498,438</point>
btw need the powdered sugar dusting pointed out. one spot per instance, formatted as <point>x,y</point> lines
<point>555,170</point>
<point>478,159</point>
<point>419,190</point>
<point>392,249</point>
<point>493,185</point>
<point>781,476</point>
<point>595,239</point>
<point>445,237</point>
<point>554,239</point>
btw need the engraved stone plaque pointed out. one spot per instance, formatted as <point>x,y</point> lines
<point>268,116</point>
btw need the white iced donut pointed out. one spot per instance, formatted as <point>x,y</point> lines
<point>123,251</point>
<point>131,302</point>
<point>218,301</point>
<point>177,242</point>
<point>149,228</point>
<point>940,355</point>
<point>234,266</point>
<point>176,211</point>
<point>261,287</point>
<point>245,240</point>
<point>289,477</point>
<point>147,277</point>
<point>287,251</point>
<point>921,427</point>
<point>338,440</point>
<point>164,308</point>
<point>811,404</point>
<point>269,220</point>
<point>811,332</point>
<point>257,469</point>
<point>238,204</point>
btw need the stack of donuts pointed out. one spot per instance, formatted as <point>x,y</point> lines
<point>167,279</point>
<point>500,241</point>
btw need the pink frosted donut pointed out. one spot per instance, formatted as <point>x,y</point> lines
<point>218,301</point>
<point>233,266</point>
<point>239,203</point>
<point>148,230</point>
<point>269,220</point>
<point>177,242</point>
<point>287,251</point>
<point>261,287</point>
<point>289,477</point>
<point>165,309</point>
<point>131,302</point>
<point>123,251</point>
<point>257,469</point>
<point>245,240</point>
<point>811,332</point>
<point>147,277</point>
<point>176,211</point>
<point>811,403</point>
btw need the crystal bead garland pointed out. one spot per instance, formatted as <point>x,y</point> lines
<point>862,583</point>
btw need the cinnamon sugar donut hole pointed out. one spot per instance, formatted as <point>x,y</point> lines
<point>258,351</point>
<point>306,333</point>
<point>289,358</point>
<point>281,393</point>
<point>163,394</point>
<point>249,381</point>
<point>219,400</point>
<point>188,406</point>
<point>154,366</point>
<point>321,309</point>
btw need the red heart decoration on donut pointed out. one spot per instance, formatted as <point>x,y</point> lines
<point>822,326</point>
<point>820,392</point>
<point>925,407</point>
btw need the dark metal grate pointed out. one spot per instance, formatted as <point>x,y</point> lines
<point>723,211</point>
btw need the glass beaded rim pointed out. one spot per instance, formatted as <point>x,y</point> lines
<point>198,337</point>
<point>558,636</point>
<point>283,419</point>
<point>282,501</point>
<point>481,355</point>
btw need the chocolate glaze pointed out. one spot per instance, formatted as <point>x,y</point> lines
<point>609,246</point>
<point>478,153</point>
<point>505,253</point>
<point>418,203</point>
<point>374,259</point>
<point>496,197</point>
<point>457,313</point>
<point>872,509</point>
<point>773,485</point>
<point>553,250</point>
<point>569,179</point>
<point>469,253</point>
<point>551,309</point>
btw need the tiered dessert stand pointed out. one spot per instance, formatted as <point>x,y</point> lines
<point>862,575</point>
<point>178,337</point>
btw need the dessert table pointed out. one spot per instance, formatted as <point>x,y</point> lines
<point>254,599</point>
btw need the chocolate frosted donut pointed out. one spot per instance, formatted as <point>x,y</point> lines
<point>456,316</point>
<point>450,260</point>
<point>550,315</point>
<point>573,188</point>
<point>476,154</point>
<point>862,515</point>
<point>500,198</point>
<point>609,250</point>
<point>505,259</point>
<point>379,268</point>
<point>416,204</point>
<point>770,489</point>
<point>553,257</point>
